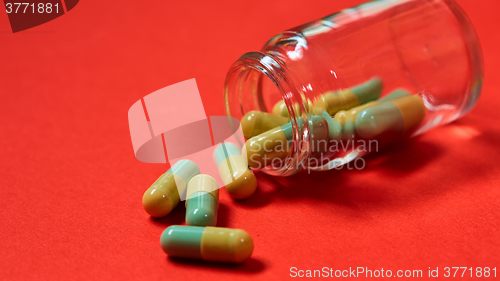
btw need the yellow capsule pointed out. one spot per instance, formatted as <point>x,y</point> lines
<point>256,122</point>
<point>164,194</point>
<point>207,243</point>
<point>280,108</point>
<point>239,180</point>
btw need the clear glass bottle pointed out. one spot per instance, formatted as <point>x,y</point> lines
<point>427,47</point>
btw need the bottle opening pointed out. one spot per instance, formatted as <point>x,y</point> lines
<point>257,81</point>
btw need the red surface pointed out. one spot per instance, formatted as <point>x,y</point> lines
<point>71,187</point>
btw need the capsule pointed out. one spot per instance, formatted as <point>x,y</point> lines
<point>256,122</point>
<point>164,194</point>
<point>261,150</point>
<point>350,115</point>
<point>341,127</point>
<point>395,118</point>
<point>239,180</point>
<point>280,108</point>
<point>207,243</point>
<point>202,201</point>
<point>333,102</point>
<point>274,145</point>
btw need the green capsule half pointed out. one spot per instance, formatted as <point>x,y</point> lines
<point>202,201</point>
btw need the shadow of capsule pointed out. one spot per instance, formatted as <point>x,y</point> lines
<point>251,265</point>
<point>178,216</point>
<point>223,215</point>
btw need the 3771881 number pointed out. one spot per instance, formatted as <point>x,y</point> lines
<point>470,271</point>
<point>24,8</point>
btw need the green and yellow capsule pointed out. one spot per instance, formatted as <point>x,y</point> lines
<point>394,118</point>
<point>342,126</point>
<point>207,243</point>
<point>261,150</point>
<point>239,180</point>
<point>345,116</point>
<point>257,122</point>
<point>274,145</point>
<point>202,201</point>
<point>164,194</point>
<point>333,102</point>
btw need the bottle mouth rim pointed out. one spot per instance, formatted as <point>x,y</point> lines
<point>268,66</point>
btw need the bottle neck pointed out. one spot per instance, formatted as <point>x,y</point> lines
<point>245,90</point>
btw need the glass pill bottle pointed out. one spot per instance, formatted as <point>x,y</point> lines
<point>377,72</point>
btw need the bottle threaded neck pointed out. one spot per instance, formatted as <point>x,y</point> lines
<point>244,91</point>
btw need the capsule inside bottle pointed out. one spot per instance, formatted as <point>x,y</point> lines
<point>257,122</point>
<point>333,102</point>
<point>351,114</point>
<point>280,108</point>
<point>273,146</point>
<point>391,119</point>
<point>269,146</point>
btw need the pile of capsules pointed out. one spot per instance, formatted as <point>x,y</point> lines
<point>200,239</point>
<point>357,112</point>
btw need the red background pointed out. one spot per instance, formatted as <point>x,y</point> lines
<point>71,188</point>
